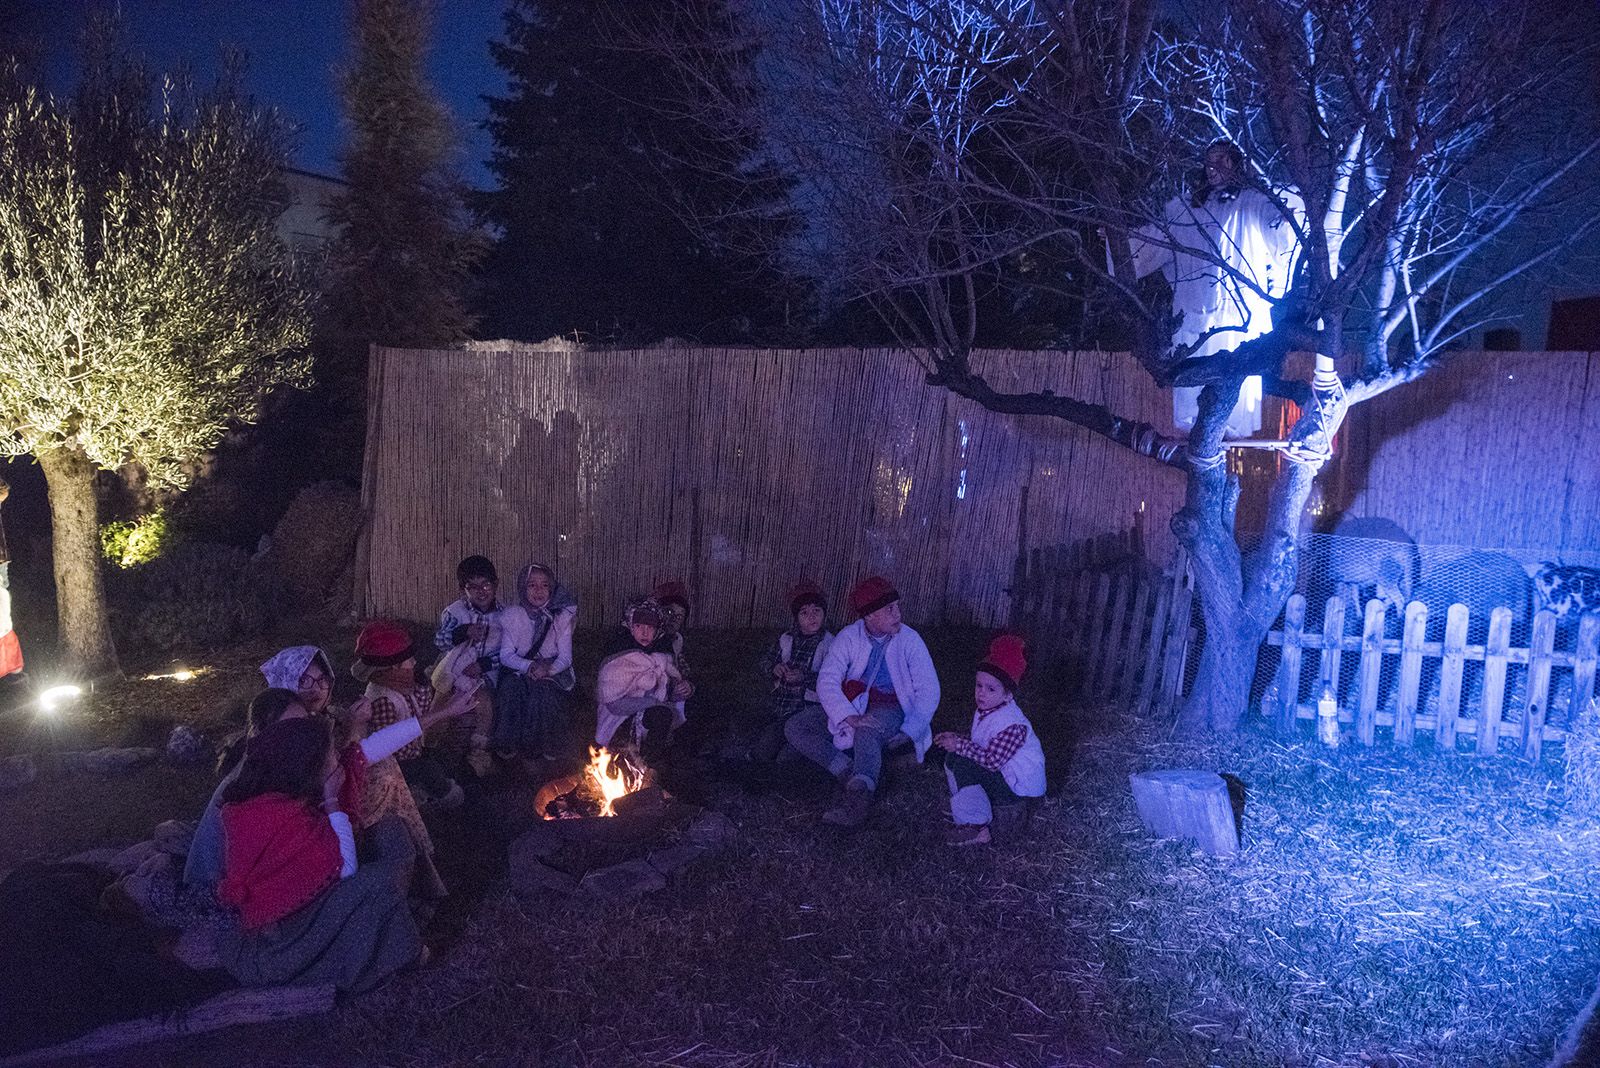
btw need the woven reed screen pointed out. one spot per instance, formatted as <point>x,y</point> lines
<point>738,471</point>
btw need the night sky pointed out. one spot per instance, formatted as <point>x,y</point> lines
<point>293,47</point>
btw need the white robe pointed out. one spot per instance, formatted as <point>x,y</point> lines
<point>1251,235</point>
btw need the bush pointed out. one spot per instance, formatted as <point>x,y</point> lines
<point>196,596</point>
<point>313,548</point>
<point>128,543</point>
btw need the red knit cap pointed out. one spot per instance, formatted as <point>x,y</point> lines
<point>382,643</point>
<point>803,593</point>
<point>673,592</point>
<point>871,594</point>
<point>1006,661</point>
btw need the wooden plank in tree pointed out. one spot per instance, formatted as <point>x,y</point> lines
<point>1455,640</point>
<point>1332,652</point>
<point>1187,803</point>
<point>1536,702</point>
<point>1138,638</point>
<point>1176,642</point>
<point>1584,654</point>
<point>1494,681</point>
<point>1405,712</point>
<point>1097,630</point>
<point>1294,625</point>
<point>228,1009</point>
<point>1370,672</point>
<point>1155,633</point>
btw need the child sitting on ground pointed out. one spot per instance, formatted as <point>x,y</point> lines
<point>792,663</point>
<point>638,680</point>
<point>469,637</point>
<point>1000,763</point>
<point>386,662</point>
<point>306,913</point>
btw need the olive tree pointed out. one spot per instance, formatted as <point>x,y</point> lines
<point>146,301</point>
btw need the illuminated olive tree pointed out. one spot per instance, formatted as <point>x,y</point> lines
<point>145,299</point>
<point>980,146</point>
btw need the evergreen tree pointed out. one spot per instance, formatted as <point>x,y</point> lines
<point>400,267</point>
<point>605,188</point>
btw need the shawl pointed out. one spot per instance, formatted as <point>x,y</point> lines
<point>278,853</point>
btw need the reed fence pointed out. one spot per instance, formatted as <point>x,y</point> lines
<point>738,471</point>
<point>1454,716</point>
<point>1118,627</point>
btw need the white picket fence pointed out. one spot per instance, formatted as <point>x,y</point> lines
<point>1489,720</point>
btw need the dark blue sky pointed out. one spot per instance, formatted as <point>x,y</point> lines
<point>294,47</point>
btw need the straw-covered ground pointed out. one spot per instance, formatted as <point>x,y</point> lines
<point>1387,909</point>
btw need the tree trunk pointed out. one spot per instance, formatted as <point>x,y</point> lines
<point>80,591</point>
<point>1221,694</point>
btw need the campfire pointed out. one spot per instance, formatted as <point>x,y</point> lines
<point>595,790</point>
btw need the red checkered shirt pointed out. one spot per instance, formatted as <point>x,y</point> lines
<point>1001,748</point>
<point>384,713</point>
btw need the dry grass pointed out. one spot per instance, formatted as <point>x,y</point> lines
<point>1387,909</point>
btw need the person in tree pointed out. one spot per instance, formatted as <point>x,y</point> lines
<point>469,636</point>
<point>790,666</point>
<point>386,662</point>
<point>634,702</point>
<point>999,760</point>
<point>306,912</point>
<point>532,704</point>
<point>877,682</point>
<point>1228,251</point>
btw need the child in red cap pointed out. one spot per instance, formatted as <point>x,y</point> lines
<point>999,762</point>
<point>791,664</point>
<point>386,662</point>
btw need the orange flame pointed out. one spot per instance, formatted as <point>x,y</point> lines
<point>612,776</point>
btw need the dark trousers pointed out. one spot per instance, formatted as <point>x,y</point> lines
<point>425,773</point>
<point>968,772</point>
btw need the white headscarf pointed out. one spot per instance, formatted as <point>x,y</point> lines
<point>287,665</point>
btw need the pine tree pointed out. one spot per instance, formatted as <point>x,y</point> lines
<point>604,187</point>
<point>401,265</point>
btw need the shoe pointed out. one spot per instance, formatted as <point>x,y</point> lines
<point>452,799</point>
<point>481,763</point>
<point>851,811</point>
<point>967,834</point>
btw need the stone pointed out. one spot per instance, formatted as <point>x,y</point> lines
<point>173,837</point>
<point>712,831</point>
<point>100,857</point>
<point>669,859</point>
<point>128,861</point>
<point>1187,803</point>
<point>111,761</point>
<point>17,772</point>
<point>618,882</point>
<point>538,842</point>
<point>533,875</point>
<point>185,745</point>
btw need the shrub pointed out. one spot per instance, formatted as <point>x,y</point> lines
<point>128,543</point>
<point>313,548</point>
<point>197,596</point>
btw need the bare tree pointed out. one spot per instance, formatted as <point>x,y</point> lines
<point>949,136</point>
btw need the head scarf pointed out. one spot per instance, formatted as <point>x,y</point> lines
<point>561,598</point>
<point>287,665</point>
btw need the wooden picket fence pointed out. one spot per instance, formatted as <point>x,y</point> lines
<point>1488,721</point>
<point>1117,625</point>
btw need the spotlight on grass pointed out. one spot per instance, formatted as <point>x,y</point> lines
<point>52,699</point>
<point>181,675</point>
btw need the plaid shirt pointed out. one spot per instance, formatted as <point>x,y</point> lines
<point>786,699</point>
<point>384,713</point>
<point>1001,748</point>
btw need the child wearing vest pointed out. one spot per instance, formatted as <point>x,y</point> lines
<point>790,666</point>
<point>999,762</point>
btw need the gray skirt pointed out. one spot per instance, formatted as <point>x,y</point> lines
<point>358,932</point>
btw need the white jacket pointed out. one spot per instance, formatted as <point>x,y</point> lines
<point>916,684</point>
<point>632,674</point>
<point>1024,772</point>
<point>516,635</point>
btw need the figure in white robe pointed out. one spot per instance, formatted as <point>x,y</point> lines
<point>1244,229</point>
